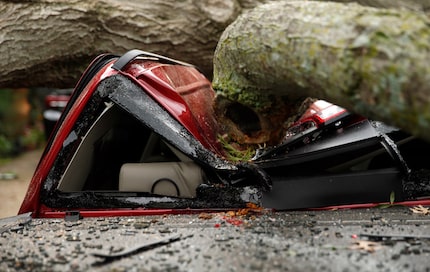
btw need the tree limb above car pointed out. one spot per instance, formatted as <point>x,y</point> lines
<point>372,61</point>
<point>50,43</point>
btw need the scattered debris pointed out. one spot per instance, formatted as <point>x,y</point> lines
<point>273,241</point>
<point>368,246</point>
<point>108,257</point>
<point>72,216</point>
<point>206,216</point>
<point>14,223</point>
<point>234,217</point>
<point>420,209</point>
<point>385,237</point>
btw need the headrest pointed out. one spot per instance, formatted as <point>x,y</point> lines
<point>163,178</point>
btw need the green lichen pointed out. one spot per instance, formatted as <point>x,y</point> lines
<point>251,98</point>
<point>236,152</point>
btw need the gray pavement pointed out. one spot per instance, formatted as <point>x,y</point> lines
<point>391,239</point>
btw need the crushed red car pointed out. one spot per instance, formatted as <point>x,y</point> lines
<point>136,177</point>
<point>138,136</point>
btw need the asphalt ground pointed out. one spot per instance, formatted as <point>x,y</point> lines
<point>375,239</point>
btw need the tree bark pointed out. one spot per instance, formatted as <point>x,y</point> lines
<point>412,5</point>
<point>51,42</point>
<point>371,61</point>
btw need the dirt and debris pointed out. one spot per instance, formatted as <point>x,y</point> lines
<point>392,239</point>
<point>234,217</point>
<point>420,210</point>
<point>368,246</point>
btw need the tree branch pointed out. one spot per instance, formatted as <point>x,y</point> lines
<point>51,42</point>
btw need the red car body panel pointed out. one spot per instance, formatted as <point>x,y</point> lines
<point>189,89</point>
<point>31,200</point>
<point>157,83</point>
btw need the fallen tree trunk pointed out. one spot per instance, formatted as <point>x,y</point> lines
<point>50,42</point>
<point>413,5</point>
<point>371,61</point>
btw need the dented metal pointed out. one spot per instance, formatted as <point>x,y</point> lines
<point>340,159</point>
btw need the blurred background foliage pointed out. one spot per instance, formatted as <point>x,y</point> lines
<point>21,124</point>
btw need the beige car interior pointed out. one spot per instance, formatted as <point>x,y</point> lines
<point>120,154</point>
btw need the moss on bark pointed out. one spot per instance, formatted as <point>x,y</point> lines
<point>368,60</point>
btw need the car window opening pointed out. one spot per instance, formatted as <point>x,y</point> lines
<point>119,153</point>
